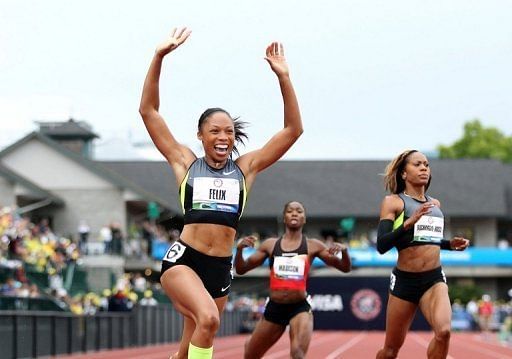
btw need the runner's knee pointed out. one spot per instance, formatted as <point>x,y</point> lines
<point>443,334</point>
<point>296,352</point>
<point>208,322</point>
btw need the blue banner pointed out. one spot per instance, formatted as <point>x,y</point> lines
<point>470,257</point>
<point>479,256</point>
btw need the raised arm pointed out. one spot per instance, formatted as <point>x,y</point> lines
<point>242,265</point>
<point>178,156</point>
<point>330,255</point>
<point>256,161</point>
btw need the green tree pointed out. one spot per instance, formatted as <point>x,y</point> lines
<point>479,142</point>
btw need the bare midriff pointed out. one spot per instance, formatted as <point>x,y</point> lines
<point>419,258</point>
<point>211,239</point>
<point>285,296</point>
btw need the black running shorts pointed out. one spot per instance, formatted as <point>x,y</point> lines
<point>215,272</point>
<point>411,286</point>
<point>280,313</point>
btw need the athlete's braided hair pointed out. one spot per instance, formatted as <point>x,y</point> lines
<point>240,134</point>
<point>393,180</point>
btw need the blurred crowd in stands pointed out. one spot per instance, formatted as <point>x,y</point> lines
<point>31,252</point>
<point>484,315</point>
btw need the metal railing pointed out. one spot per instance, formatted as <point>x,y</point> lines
<point>33,334</point>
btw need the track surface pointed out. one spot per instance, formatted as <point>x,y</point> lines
<point>329,345</point>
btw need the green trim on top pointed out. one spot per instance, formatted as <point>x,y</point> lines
<point>398,221</point>
<point>183,185</point>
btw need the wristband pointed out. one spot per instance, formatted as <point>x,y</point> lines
<point>445,244</point>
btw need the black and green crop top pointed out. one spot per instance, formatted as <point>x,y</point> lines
<point>427,230</point>
<point>210,195</point>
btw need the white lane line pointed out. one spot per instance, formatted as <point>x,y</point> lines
<point>479,338</point>
<point>347,345</point>
<point>477,348</point>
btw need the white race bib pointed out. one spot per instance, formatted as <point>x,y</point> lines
<point>429,229</point>
<point>216,194</point>
<point>290,267</point>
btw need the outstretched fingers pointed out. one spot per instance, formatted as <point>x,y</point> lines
<point>275,49</point>
<point>178,36</point>
<point>183,35</point>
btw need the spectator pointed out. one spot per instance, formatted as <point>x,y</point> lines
<point>148,299</point>
<point>118,302</point>
<point>106,238</point>
<point>117,238</point>
<point>485,311</point>
<point>472,309</point>
<point>148,233</point>
<point>34,291</point>
<point>83,233</point>
<point>139,282</point>
<point>9,288</point>
<point>506,331</point>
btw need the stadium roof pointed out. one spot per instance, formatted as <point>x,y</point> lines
<point>466,187</point>
<point>34,188</point>
<point>93,166</point>
<point>70,128</point>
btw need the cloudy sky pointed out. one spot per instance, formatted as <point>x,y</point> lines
<point>372,77</point>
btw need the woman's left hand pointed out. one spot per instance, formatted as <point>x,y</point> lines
<point>275,58</point>
<point>459,243</point>
<point>336,248</point>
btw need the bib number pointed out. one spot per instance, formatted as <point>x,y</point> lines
<point>392,282</point>
<point>174,252</point>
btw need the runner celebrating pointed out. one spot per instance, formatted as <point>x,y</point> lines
<point>196,270</point>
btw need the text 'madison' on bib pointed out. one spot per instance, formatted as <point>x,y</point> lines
<point>289,267</point>
<point>216,194</point>
<point>429,229</point>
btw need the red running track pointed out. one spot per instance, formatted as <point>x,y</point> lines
<point>329,345</point>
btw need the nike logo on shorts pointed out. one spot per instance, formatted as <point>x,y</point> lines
<point>225,289</point>
<point>227,173</point>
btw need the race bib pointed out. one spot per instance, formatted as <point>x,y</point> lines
<point>174,252</point>
<point>216,194</point>
<point>429,229</point>
<point>289,267</point>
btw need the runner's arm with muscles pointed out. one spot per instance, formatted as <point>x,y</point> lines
<point>330,255</point>
<point>387,235</point>
<point>242,265</point>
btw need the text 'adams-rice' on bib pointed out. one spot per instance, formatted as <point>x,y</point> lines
<point>428,229</point>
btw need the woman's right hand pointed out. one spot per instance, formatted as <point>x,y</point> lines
<point>276,60</point>
<point>177,38</point>
<point>421,211</point>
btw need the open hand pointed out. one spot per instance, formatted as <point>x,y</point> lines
<point>421,211</point>
<point>176,38</point>
<point>275,58</point>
